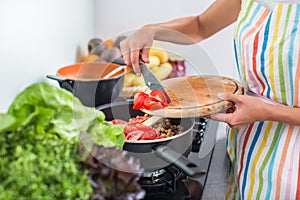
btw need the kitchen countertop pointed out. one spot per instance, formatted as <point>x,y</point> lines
<point>216,181</point>
<point>215,158</point>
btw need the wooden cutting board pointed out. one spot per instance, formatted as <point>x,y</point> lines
<point>193,96</point>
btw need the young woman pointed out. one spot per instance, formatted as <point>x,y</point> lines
<point>263,140</point>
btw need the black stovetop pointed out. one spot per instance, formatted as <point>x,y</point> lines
<point>170,183</point>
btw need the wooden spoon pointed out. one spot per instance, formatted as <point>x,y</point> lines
<point>113,72</point>
<point>152,120</point>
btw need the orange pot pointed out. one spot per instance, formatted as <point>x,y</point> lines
<point>89,82</point>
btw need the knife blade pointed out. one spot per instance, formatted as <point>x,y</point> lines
<point>151,81</point>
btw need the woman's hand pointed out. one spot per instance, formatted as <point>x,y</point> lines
<point>136,46</point>
<point>246,110</point>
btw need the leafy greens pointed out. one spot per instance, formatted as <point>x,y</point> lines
<point>39,138</point>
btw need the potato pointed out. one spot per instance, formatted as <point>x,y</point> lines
<point>163,71</point>
<point>139,81</point>
<point>153,60</point>
<point>154,68</point>
<point>128,79</point>
<point>161,54</point>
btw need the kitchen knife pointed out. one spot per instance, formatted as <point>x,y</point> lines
<point>151,81</point>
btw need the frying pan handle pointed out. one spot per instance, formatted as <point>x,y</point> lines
<point>63,82</point>
<point>176,159</point>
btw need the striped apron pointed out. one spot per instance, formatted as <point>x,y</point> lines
<point>265,156</point>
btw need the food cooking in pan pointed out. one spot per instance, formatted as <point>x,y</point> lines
<point>134,129</point>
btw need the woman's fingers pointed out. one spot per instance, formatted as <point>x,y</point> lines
<point>230,97</point>
<point>145,55</point>
<point>218,117</point>
<point>130,56</point>
<point>246,110</point>
<point>135,55</point>
<point>125,51</point>
<point>228,115</point>
<point>227,118</point>
<point>135,47</point>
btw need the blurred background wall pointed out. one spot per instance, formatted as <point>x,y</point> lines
<point>39,36</point>
<point>213,56</point>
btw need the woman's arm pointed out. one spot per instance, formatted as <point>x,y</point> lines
<point>186,30</point>
<point>285,114</point>
<point>192,29</point>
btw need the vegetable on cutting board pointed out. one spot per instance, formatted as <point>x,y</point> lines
<point>151,100</point>
<point>39,138</point>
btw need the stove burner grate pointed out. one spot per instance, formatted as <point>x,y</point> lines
<point>168,185</point>
<point>172,183</point>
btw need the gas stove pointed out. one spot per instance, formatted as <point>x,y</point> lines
<point>165,184</point>
<point>170,183</point>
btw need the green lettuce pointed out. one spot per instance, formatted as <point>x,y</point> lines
<point>57,111</point>
<point>39,137</point>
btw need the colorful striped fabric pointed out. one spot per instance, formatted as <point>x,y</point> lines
<point>266,155</point>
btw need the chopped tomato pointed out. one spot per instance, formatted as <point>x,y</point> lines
<point>152,104</point>
<point>156,99</point>
<point>151,135</point>
<point>135,130</point>
<point>129,128</point>
<point>160,96</point>
<point>140,131</point>
<point>138,100</point>
<point>134,135</point>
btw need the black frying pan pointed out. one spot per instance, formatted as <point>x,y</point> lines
<point>159,153</point>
